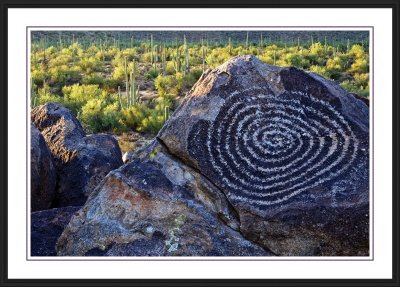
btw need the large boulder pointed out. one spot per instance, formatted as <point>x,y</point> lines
<point>46,228</point>
<point>81,161</point>
<point>43,175</point>
<point>257,161</point>
<point>289,149</point>
<point>155,206</point>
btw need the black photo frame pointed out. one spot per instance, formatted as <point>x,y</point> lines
<point>6,157</point>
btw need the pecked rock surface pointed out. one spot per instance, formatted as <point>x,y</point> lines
<point>155,206</point>
<point>43,175</point>
<point>81,161</point>
<point>289,149</point>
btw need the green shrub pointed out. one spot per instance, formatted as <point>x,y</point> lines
<point>48,98</point>
<point>294,60</point>
<point>163,84</point>
<point>353,88</point>
<point>62,59</point>
<point>152,74</point>
<point>132,116</point>
<point>111,85</point>
<point>317,49</point>
<point>320,70</point>
<point>91,115</point>
<point>170,69</point>
<point>359,66</point>
<point>196,73</point>
<point>38,76</point>
<point>176,84</point>
<point>146,57</point>
<point>112,118</point>
<point>357,52</point>
<point>118,73</point>
<point>152,123</point>
<point>89,65</point>
<point>130,53</point>
<point>361,80</point>
<point>62,75</point>
<point>93,79</point>
<point>76,96</point>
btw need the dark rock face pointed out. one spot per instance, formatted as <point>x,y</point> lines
<point>155,206</point>
<point>59,127</point>
<point>289,149</point>
<point>43,175</point>
<point>46,227</point>
<point>81,161</point>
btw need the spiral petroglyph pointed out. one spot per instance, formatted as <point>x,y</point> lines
<point>267,149</point>
<point>288,149</point>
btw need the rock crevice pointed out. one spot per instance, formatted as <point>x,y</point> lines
<point>230,206</point>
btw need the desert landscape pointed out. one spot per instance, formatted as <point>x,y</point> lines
<point>199,143</point>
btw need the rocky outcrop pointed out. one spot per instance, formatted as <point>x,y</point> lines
<point>258,160</point>
<point>155,206</point>
<point>46,227</point>
<point>43,175</point>
<point>81,161</point>
<point>289,149</point>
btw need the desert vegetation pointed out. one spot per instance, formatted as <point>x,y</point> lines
<point>133,82</point>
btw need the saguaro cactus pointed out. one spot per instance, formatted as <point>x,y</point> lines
<point>151,49</point>
<point>60,40</point>
<point>203,55</point>
<point>34,47</point>
<point>33,96</point>
<point>134,91</point>
<point>120,98</point>
<point>44,88</point>
<point>127,82</point>
<point>177,58</point>
<point>166,113</point>
<point>164,60</point>
<point>44,50</point>
<point>247,41</point>
<point>186,70</point>
<point>155,56</point>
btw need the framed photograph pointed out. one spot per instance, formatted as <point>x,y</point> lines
<point>217,145</point>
